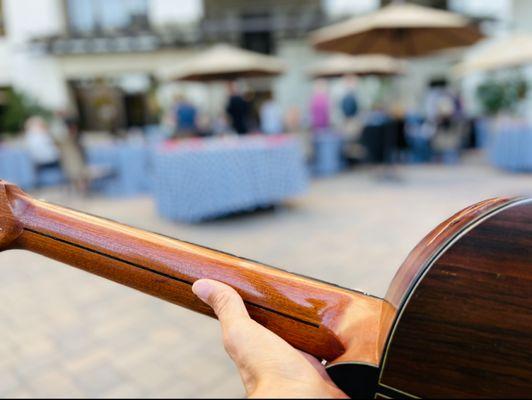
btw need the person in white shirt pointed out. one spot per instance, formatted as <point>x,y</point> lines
<point>40,144</point>
<point>271,117</point>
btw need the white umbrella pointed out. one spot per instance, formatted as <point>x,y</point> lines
<point>341,64</point>
<point>398,30</point>
<point>222,63</point>
<point>497,54</point>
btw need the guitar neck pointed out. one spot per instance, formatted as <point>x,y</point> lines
<point>311,315</point>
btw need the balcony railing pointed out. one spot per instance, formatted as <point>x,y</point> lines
<point>205,32</point>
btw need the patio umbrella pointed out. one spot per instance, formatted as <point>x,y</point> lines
<point>398,30</point>
<point>223,63</point>
<point>341,64</point>
<point>512,51</point>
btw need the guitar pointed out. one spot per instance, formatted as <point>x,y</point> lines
<point>456,320</point>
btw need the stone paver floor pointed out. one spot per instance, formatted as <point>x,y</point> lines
<point>65,333</point>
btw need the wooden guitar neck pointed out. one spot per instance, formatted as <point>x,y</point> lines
<point>315,317</point>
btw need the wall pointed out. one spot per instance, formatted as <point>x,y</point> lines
<point>294,87</point>
<point>521,15</point>
<point>170,12</point>
<point>5,77</point>
<point>35,74</point>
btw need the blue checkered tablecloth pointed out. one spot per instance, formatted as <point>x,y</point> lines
<point>483,127</point>
<point>17,167</point>
<point>327,158</point>
<point>510,147</point>
<point>129,163</point>
<point>205,179</point>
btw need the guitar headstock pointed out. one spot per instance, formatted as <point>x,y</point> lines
<point>10,227</point>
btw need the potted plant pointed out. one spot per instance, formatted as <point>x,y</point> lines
<point>499,98</point>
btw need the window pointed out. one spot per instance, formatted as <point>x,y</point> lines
<point>2,30</point>
<point>257,32</point>
<point>107,16</point>
<point>442,4</point>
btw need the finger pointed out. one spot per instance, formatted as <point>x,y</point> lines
<point>223,299</point>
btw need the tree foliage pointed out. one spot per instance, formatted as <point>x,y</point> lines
<point>16,110</point>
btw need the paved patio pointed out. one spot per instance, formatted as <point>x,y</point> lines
<point>65,333</point>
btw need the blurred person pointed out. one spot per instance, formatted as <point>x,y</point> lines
<point>440,109</point>
<point>238,110</point>
<point>167,123</point>
<point>253,122</point>
<point>220,125</point>
<point>268,365</point>
<point>349,107</point>
<point>349,101</point>
<point>64,129</point>
<point>439,103</point>
<point>271,118</point>
<point>185,115</point>
<point>377,114</point>
<point>204,125</point>
<point>292,119</point>
<point>418,135</point>
<point>293,123</point>
<point>398,129</point>
<point>320,106</point>
<point>40,145</point>
<point>458,103</point>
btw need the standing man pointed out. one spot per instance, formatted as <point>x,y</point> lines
<point>238,110</point>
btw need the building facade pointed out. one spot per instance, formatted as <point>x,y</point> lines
<point>105,54</point>
<point>101,57</point>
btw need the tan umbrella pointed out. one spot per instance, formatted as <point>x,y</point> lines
<point>513,51</point>
<point>223,62</point>
<point>340,64</point>
<point>398,30</point>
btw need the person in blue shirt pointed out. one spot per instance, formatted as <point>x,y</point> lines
<point>349,102</point>
<point>185,117</point>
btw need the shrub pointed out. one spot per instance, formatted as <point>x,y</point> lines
<point>17,109</point>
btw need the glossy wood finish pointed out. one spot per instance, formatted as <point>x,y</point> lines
<point>423,254</point>
<point>466,330</point>
<point>314,316</point>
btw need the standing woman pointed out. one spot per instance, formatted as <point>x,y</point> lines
<point>320,107</point>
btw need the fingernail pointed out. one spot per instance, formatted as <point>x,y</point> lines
<point>202,289</point>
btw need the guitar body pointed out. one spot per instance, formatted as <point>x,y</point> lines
<point>458,315</point>
<point>455,322</point>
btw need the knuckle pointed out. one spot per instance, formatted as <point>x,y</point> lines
<point>232,337</point>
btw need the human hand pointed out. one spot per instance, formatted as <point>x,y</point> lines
<point>268,365</point>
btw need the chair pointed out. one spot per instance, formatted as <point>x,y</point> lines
<point>79,174</point>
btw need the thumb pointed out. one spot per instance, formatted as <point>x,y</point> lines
<point>236,323</point>
<point>223,299</point>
